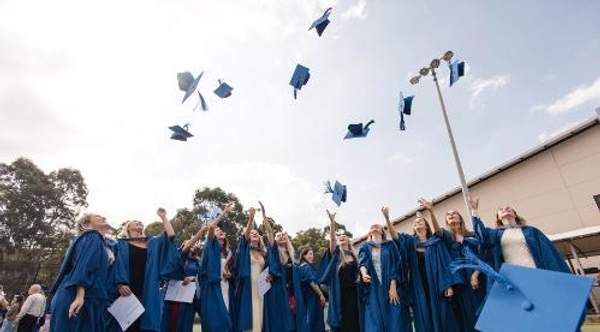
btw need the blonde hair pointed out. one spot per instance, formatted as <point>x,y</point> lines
<point>81,227</point>
<point>124,233</point>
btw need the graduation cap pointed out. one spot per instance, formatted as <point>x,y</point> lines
<point>404,108</point>
<point>299,78</point>
<point>457,70</point>
<point>339,192</point>
<point>223,90</point>
<point>532,300</point>
<point>187,83</point>
<point>358,130</point>
<point>180,133</point>
<point>322,22</point>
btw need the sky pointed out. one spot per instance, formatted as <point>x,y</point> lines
<point>92,85</point>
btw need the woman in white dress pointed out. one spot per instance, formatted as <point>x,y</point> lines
<point>248,265</point>
<point>515,243</point>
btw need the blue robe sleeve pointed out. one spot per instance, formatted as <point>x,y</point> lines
<point>86,260</point>
<point>210,263</point>
<point>121,263</point>
<point>544,253</point>
<point>488,237</point>
<point>307,274</point>
<point>170,261</point>
<point>243,286</point>
<point>331,278</point>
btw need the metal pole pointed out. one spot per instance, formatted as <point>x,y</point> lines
<point>582,272</point>
<point>461,174</point>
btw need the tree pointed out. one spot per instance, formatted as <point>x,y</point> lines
<point>37,216</point>
<point>313,238</point>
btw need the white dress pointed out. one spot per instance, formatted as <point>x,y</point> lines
<point>224,283</point>
<point>376,256</point>
<point>257,266</point>
<point>515,249</point>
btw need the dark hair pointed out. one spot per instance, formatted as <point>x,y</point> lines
<point>225,248</point>
<point>520,221</point>
<point>19,299</point>
<point>303,252</point>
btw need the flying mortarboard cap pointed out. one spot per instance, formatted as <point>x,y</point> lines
<point>531,300</point>
<point>201,103</point>
<point>358,130</point>
<point>338,191</point>
<point>223,90</point>
<point>322,22</point>
<point>299,78</point>
<point>457,70</point>
<point>187,83</point>
<point>404,107</point>
<point>180,133</point>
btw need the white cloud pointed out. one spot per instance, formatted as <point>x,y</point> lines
<point>479,86</point>
<point>356,11</point>
<point>577,97</point>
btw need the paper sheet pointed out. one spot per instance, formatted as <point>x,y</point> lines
<point>126,309</point>
<point>177,292</point>
<point>263,284</point>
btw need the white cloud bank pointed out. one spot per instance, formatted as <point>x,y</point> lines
<point>581,95</point>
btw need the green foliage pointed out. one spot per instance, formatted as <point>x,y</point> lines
<point>154,229</point>
<point>37,216</point>
<point>313,238</point>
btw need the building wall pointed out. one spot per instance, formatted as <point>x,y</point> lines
<point>552,190</point>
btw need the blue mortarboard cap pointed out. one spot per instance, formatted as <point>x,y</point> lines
<point>188,84</point>
<point>322,22</point>
<point>457,70</point>
<point>180,133</point>
<point>338,191</point>
<point>299,78</point>
<point>358,130</point>
<point>223,90</point>
<point>201,103</point>
<point>531,300</point>
<point>404,107</point>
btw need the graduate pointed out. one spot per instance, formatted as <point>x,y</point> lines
<point>287,257</point>
<point>515,243</point>
<point>80,290</point>
<point>141,263</point>
<point>340,276</point>
<point>248,265</point>
<point>428,269</point>
<point>310,299</point>
<point>214,279</point>
<point>468,295</point>
<point>381,308</point>
<point>277,314</point>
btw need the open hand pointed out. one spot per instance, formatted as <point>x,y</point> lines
<point>473,202</point>
<point>386,212</point>
<point>162,213</point>
<point>251,212</point>
<point>394,297</point>
<point>331,216</point>
<point>75,306</point>
<point>425,204</point>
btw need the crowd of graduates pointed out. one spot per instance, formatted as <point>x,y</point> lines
<point>393,282</point>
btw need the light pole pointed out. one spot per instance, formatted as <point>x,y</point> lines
<point>435,63</point>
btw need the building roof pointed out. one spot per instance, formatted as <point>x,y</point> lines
<point>553,141</point>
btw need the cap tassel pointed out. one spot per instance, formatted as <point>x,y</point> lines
<point>471,261</point>
<point>402,125</point>
<point>328,187</point>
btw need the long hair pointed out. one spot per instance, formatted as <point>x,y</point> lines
<point>463,228</point>
<point>303,251</point>
<point>518,219</point>
<point>428,232</point>
<point>124,234</point>
<point>81,225</point>
<point>383,237</point>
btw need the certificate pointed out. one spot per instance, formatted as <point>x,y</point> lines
<point>263,284</point>
<point>126,309</point>
<point>177,292</point>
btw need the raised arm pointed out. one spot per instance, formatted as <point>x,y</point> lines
<point>197,237</point>
<point>162,213</point>
<point>332,230</point>
<point>228,208</point>
<point>290,247</point>
<point>267,225</point>
<point>388,223</point>
<point>428,205</point>
<point>250,224</point>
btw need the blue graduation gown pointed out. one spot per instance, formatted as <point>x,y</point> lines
<point>243,287</point>
<point>377,314</point>
<point>85,264</point>
<point>213,312</point>
<point>466,298</point>
<point>185,311</point>
<point>543,251</point>
<point>437,315</point>
<point>162,262</point>
<point>277,314</point>
<point>309,313</point>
